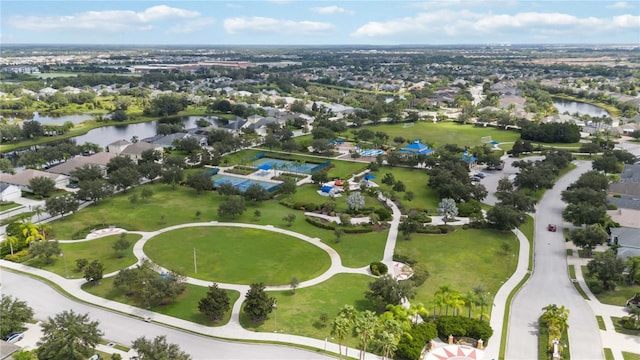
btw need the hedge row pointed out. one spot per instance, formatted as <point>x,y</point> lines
<point>438,229</point>
<point>361,229</point>
<point>463,326</point>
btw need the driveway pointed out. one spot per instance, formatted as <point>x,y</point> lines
<point>550,284</point>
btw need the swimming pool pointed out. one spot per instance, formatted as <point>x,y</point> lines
<point>241,183</point>
<point>370,152</point>
<point>288,166</point>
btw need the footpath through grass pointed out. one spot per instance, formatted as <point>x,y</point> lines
<point>463,259</point>
<point>168,207</point>
<point>238,255</point>
<point>300,313</point>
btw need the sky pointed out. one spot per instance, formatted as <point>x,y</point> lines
<point>299,22</point>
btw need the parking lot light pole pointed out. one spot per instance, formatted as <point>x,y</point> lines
<point>66,269</point>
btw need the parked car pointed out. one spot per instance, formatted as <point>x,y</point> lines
<point>14,337</point>
<point>480,175</point>
<point>552,227</point>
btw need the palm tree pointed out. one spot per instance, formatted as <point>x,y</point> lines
<point>471,299</point>
<point>388,335</point>
<point>37,211</point>
<point>12,240</point>
<point>349,313</point>
<point>456,302</point>
<point>31,232</point>
<point>444,291</point>
<point>339,328</point>
<point>483,298</point>
<point>365,326</point>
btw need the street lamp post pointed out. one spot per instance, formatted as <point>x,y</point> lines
<point>275,316</point>
<point>66,269</point>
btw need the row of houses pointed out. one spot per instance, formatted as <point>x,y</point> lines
<point>12,185</point>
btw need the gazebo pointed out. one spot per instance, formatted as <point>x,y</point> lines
<point>416,148</point>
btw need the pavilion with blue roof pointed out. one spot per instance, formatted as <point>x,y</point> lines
<point>416,148</point>
<point>469,159</point>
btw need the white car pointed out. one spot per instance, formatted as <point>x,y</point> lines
<point>15,337</point>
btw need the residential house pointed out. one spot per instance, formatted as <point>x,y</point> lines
<point>22,179</point>
<point>135,150</point>
<point>117,147</point>
<point>9,192</point>
<point>100,159</point>
<point>628,240</point>
<point>169,141</point>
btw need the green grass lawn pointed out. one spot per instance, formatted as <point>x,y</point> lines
<point>308,193</point>
<point>180,205</point>
<point>299,314</point>
<point>100,249</point>
<point>185,307</point>
<point>416,181</point>
<point>630,356</point>
<point>238,255</point>
<point>446,133</point>
<point>4,206</point>
<point>620,329</point>
<point>619,296</point>
<point>462,259</point>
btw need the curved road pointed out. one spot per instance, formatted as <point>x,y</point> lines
<point>122,329</point>
<point>550,284</point>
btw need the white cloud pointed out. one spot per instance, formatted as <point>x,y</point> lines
<point>333,9</point>
<point>190,26</point>
<point>108,20</point>
<point>450,23</point>
<point>258,24</point>
<point>619,5</point>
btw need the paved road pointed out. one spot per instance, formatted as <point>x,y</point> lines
<point>123,329</point>
<point>550,284</point>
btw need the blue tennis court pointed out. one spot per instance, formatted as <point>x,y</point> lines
<point>242,184</point>
<point>285,165</point>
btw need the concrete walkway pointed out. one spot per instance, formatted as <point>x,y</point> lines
<point>611,339</point>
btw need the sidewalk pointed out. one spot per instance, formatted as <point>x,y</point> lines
<point>611,339</point>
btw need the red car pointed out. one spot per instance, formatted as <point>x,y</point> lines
<point>552,227</point>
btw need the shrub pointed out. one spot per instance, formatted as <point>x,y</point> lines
<point>595,286</point>
<point>18,256</point>
<point>616,195</point>
<point>378,268</point>
<point>384,214</point>
<point>319,223</point>
<point>463,326</point>
<point>466,209</point>
<point>451,325</point>
<point>419,215</point>
<point>420,274</point>
<point>357,229</point>
<point>413,341</point>
<point>612,207</point>
<point>404,259</point>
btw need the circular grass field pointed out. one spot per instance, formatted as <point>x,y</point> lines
<point>237,255</point>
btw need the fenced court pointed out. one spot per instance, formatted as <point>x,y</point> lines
<point>241,183</point>
<point>289,166</point>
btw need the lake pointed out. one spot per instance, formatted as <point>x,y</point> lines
<point>106,135</point>
<point>581,108</point>
<point>57,120</point>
